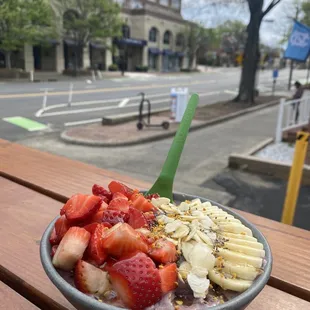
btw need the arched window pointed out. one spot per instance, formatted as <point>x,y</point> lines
<point>167,37</point>
<point>153,34</point>
<point>126,31</point>
<point>180,40</point>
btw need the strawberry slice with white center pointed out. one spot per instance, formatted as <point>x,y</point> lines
<point>119,204</point>
<point>95,252</point>
<point>119,195</point>
<point>80,208</point>
<point>137,282</point>
<point>168,278</point>
<point>90,279</point>
<point>163,251</point>
<point>137,219</point>
<point>122,240</point>
<point>71,248</point>
<point>61,227</point>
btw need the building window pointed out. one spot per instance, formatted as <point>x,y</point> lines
<point>164,2</point>
<point>176,4</point>
<point>167,37</point>
<point>180,40</point>
<point>153,35</point>
<point>126,31</point>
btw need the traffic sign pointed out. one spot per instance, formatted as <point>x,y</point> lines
<point>275,73</point>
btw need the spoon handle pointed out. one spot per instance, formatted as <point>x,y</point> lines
<point>170,166</point>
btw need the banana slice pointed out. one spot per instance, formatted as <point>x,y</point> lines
<point>238,258</point>
<point>226,283</point>
<point>241,271</point>
<point>251,244</point>
<point>245,249</point>
<point>226,220</point>
<point>237,236</point>
<point>235,228</point>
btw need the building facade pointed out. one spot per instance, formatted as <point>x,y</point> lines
<point>153,36</point>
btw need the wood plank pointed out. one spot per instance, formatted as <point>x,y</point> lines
<point>40,171</point>
<point>60,177</point>
<point>24,215</point>
<point>10,300</point>
<point>273,299</point>
<point>23,220</point>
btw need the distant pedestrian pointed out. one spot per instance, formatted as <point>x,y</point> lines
<point>298,94</point>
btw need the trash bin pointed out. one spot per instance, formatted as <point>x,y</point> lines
<point>173,104</point>
<point>181,103</point>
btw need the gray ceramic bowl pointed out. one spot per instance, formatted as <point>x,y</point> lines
<point>84,302</point>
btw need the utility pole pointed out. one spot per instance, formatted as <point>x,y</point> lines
<point>292,61</point>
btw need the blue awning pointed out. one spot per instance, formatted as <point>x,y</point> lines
<point>168,53</point>
<point>154,51</point>
<point>130,41</point>
<point>179,54</point>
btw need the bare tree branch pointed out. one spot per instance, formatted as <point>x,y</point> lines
<point>272,4</point>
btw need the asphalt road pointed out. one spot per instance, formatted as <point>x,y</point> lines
<point>92,100</point>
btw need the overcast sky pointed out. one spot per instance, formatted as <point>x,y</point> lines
<point>211,15</point>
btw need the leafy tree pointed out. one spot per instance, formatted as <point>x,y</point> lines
<point>23,21</point>
<point>86,20</point>
<point>306,11</point>
<point>251,50</point>
<point>196,38</point>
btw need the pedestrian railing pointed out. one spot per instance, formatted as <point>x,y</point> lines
<point>292,114</point>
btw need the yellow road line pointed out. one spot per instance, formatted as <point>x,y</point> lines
<point>99,90</point>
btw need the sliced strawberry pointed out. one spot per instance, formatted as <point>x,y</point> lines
<point>91,227</point>
<point>95,252</point>
<point>90,279</point>
<point>103,206</point>
<point>53,251</point>
<point>119,204</point>
<point>61,227</point>
<point>151,196</point>
<point>137,219</point>
<point>168,278</point>
<point>163,251</point>
<point>101,191</point>
<point>53,237</point>
<point>119,195</point>
<point>122,240</point>
<point>71,248</point>
<point>117,187</point>
<point>136,280</point>
<point>141,203</point>
<point>81,207</point>
<point>114,216</point>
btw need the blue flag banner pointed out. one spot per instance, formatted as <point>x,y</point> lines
<point>299,43</point>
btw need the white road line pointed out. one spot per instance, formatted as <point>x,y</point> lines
<point>114,106</point>
<point>90,87</point>
<point>231,92</point>
<point>88,121</point>
<point>123,102</point>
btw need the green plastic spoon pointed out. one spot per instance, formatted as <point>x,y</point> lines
<point>164,184</point>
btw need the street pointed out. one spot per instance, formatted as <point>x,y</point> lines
<point>92,100</point>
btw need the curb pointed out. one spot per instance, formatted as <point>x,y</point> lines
<point>215,121</point>
<point>128,117</point>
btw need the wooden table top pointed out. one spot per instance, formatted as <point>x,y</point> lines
<point>33,187</point>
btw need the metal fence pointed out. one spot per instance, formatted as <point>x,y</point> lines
<point>292,114</point>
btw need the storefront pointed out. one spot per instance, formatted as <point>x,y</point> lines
<point>179,60</point>
<point>169,60</point>
<point>72,55</point>
<point>153,58</point>
<point>130,53</point>
<point>45,56</point>
<point>97,56</point>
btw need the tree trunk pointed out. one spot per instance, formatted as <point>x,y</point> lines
<point>251,54</point>
<point>8,60</point>
<point>190,61</point>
